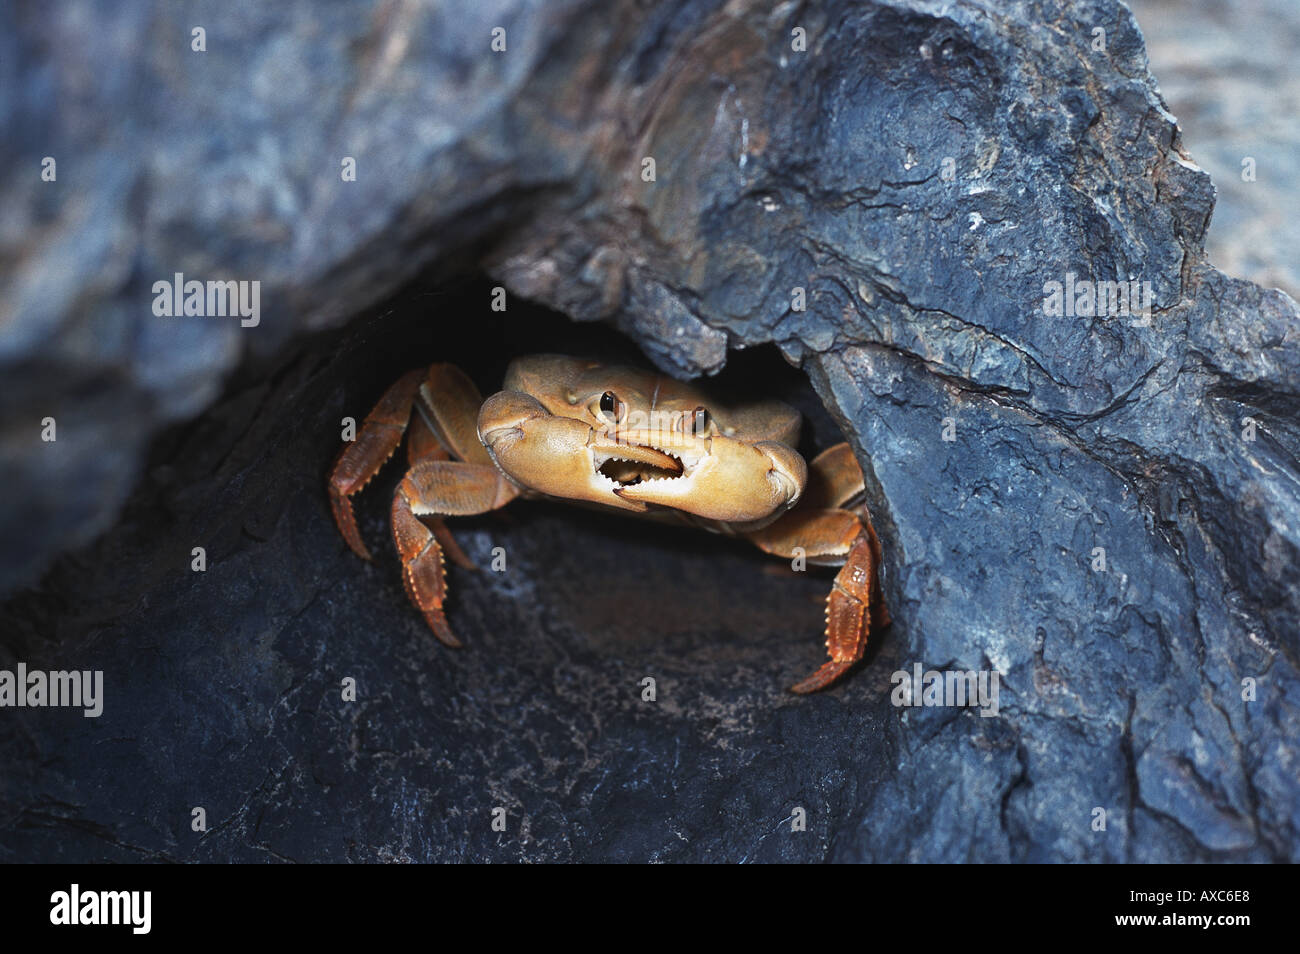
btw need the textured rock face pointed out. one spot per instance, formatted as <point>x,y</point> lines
<point>1104,509</point>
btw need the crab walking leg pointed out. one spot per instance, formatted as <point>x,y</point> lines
<point>360,460</point>
<point>855,605</point>
<point>423,444</point>
<point>823,537</point>
<point>445,488</point>
<point>449,404</point>
<point>848,609</point>
<point>834,478</point>
<point>447,426</point>
<point>880,617</point>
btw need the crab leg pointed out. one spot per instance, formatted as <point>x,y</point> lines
<point>423,444</point>
<point>854,606</point>
<point>848,611</point>
<point>448,404</point>
<point>834,478</point>
<point>823,537</point>
<point>825,532</point>
<point>441,487</point>
<point>360,460</point>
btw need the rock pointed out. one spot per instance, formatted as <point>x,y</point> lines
<point>1102,509</point>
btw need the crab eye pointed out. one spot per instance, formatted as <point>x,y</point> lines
<point>700,420</point>
<point>611,406</point>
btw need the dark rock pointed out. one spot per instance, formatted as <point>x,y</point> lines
<point>776,170</point>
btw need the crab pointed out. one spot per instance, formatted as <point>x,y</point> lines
<point>619,438</point>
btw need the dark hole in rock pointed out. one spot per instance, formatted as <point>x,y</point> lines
<point>228,682</point>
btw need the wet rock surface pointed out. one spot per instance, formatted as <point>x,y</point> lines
<point>1003,445</point>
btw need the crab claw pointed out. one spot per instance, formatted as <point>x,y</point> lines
<point>551,454</point>
<point>714,477</point>
<point>726,480</point>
